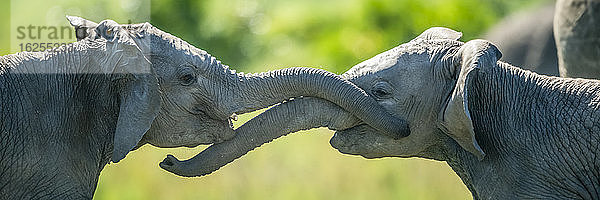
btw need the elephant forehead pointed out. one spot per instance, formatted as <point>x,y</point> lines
<point>375,64</point>
<point>401,57</point>
<point>155,41</point>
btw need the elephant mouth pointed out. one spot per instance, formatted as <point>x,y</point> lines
<point>345,141</point>
<point>339,144</point>
<point>216,136</point>
<point>212,113</point>
<point>193,145</point>
<point>223,135</point>
<point>357,140</point>
<point>212,132</point>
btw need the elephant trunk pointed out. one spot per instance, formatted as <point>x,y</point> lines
<point>300,114</point>
<point>265,89</point>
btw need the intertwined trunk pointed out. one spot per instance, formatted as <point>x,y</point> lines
<point>241,93</point>
<point>265,89</point>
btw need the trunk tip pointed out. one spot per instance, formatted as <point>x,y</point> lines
<point>182,168</point>
<point>398,130</point>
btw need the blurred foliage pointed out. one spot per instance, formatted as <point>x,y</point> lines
<point>259,35</point>
<point>254,35</point>
<point>4,27</point>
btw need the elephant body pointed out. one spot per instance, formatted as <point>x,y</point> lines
<point>56,128</point>
<point>507,132</point>
<point>539,134</point>
<point>577,32</point>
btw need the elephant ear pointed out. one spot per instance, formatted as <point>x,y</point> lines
<point>83,27</point>
<point>139,100</point>
<point>471,57</point>
<point>439,33</point>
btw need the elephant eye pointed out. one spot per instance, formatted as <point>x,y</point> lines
<point>187,75</point>
<point>380,93</point>
<point>382,90</point>
<point>187,79</point>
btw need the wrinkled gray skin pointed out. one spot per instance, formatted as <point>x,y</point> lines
<point>67,112</point>
<point>526,40</point>
<point>577,32</point>
<point>507,132</point>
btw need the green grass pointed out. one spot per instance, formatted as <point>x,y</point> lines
<point>4,27</point>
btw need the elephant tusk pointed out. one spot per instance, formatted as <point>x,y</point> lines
<point>233,117</point>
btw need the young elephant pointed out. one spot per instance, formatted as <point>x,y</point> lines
<point>67,112</point>
<point>507,132</point>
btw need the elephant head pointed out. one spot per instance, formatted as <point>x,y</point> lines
<point>192,97</point>
<point>424,81</point>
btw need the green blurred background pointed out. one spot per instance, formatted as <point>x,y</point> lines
<point>260,35</point>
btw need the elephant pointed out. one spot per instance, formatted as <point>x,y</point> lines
<point>508,133</point>
<point>527,40</point>
<point>67,112</point>
<point>577,33</point>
